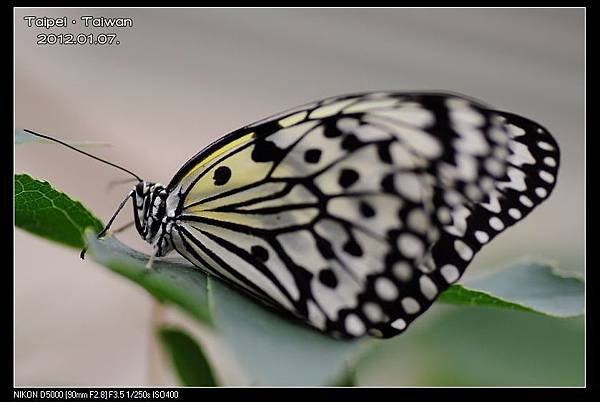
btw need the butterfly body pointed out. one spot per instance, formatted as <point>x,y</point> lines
<point>151,217</point>
<point>353,213</point>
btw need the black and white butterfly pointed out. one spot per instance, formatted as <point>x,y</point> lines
<point>355,212</point>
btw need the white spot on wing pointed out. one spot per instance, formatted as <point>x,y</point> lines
<point>412,116</point>
<point>385,289</point>
<point>471,141</point>
<point>520,154</point>
<point>418,221</point>
<point>515,213</point>
<point>420,141</point>
<point>547,177</point>
<point>399,324</point>
<point>550,161</point>
<point>408,185</point>
<point>496,223</point>
<point>373,312</point>
<point>466,115</point>
<point>526,201</point>
<point>410,245</point>
<point>482,237</point>
<point>346,124</point>
<point>450,273</point>
<point>517,180</point>
<point>494,166</point>
<point>514,130</point>
<point>354,325</point>
<point>293,119</point>
<point>493,205</point>
<point>366,105</point>
<point>402,270</point>
<point>545,146</point>
<point>427,286</point>
<point>463,250</point>
<point>459,221</point>
<point>541,192</point>
<point>410,305</point>
<point>367,132</point>
<point>287,136</point>
<point>331,109</point>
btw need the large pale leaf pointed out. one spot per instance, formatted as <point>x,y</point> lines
<point>479,346</point>
<point>276,351</point>
<point>272,350</point>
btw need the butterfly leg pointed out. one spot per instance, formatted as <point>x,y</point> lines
<point>103,232</point>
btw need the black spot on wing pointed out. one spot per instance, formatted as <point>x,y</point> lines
<point>327,277</point>
<point>347,177</point>
<point>351,143</point>
<point>383,150</point>
<point>266,151</point>
<point>331,131</point>
<point>260,253</point>
<point>312,155</point>
<point>324,247</point>
<point>387,184</point>
<point>353,248</point>
<point>221,175</point>
<point>366,210</point>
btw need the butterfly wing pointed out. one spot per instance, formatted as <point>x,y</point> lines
<point>354,213</point>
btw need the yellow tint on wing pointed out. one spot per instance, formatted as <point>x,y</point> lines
<point>224,149</point>
<point>243,171</point>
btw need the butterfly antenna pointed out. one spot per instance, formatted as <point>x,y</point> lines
<point>83,152</point>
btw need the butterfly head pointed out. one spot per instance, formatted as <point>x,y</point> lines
<point>152,221</point>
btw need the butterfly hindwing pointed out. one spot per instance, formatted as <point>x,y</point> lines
<point>356,212</point>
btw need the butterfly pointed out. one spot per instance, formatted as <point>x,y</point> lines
<point>353,213</point>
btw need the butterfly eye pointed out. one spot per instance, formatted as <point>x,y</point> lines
<point>140,189</point>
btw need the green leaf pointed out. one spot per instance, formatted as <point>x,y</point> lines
<point>526,286</point>
<point>49,213</point>
<point>187,357</point>
<point>458,294</point>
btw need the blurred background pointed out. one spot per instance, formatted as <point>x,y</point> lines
<point>181,78</point>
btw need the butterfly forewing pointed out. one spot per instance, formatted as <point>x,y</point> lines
<point>356,212</point>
